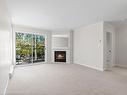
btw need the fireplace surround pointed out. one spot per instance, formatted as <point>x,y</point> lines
<point>62,47</point>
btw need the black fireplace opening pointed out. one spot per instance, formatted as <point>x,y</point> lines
<point>60,56</point>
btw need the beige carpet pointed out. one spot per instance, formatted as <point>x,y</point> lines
<point>67,79</point>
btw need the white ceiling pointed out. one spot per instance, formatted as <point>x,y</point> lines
<point>65,14</point>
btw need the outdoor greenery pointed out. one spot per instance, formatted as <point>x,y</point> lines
<point>29,48</point>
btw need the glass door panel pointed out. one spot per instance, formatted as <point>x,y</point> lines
<point>29,48</point>
<point>38,48</point>
<point>23,48</point>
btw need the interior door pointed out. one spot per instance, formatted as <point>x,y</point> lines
<point>109,49</point>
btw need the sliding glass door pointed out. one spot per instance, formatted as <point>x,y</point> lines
<point>38,48</point>
<point>30,48</point>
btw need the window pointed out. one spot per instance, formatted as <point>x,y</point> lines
<point>30,48</point>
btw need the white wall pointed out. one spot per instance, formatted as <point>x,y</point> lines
<point>121,44</point>
<point>60,41</point>
<point>5,46</point>
<point>88,46</point>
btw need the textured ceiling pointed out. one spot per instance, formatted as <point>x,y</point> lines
<point>65,14</point>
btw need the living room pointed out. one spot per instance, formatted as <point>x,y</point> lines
<point>63,47</point>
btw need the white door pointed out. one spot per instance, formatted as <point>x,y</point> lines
<point>109,49</point>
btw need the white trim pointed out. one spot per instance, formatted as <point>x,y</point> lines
<point>33,33</point>
<point>46,48</point>
<point>10,76</point>
<point>100,69</point>
<point>32,64</point>
<point>59,36</point>
<point>6,87</point>
<point>59,48</point>
<point>121,65</point>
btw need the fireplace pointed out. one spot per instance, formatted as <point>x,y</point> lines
<point>60,56</point>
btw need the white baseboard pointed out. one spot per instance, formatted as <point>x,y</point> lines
<point>10,76</point>
<point>121,65</point>
<point>91,67</point>
<point>6,87</point>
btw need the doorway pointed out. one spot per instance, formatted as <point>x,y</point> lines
<point>30,48</point>
<point>109,51</point>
